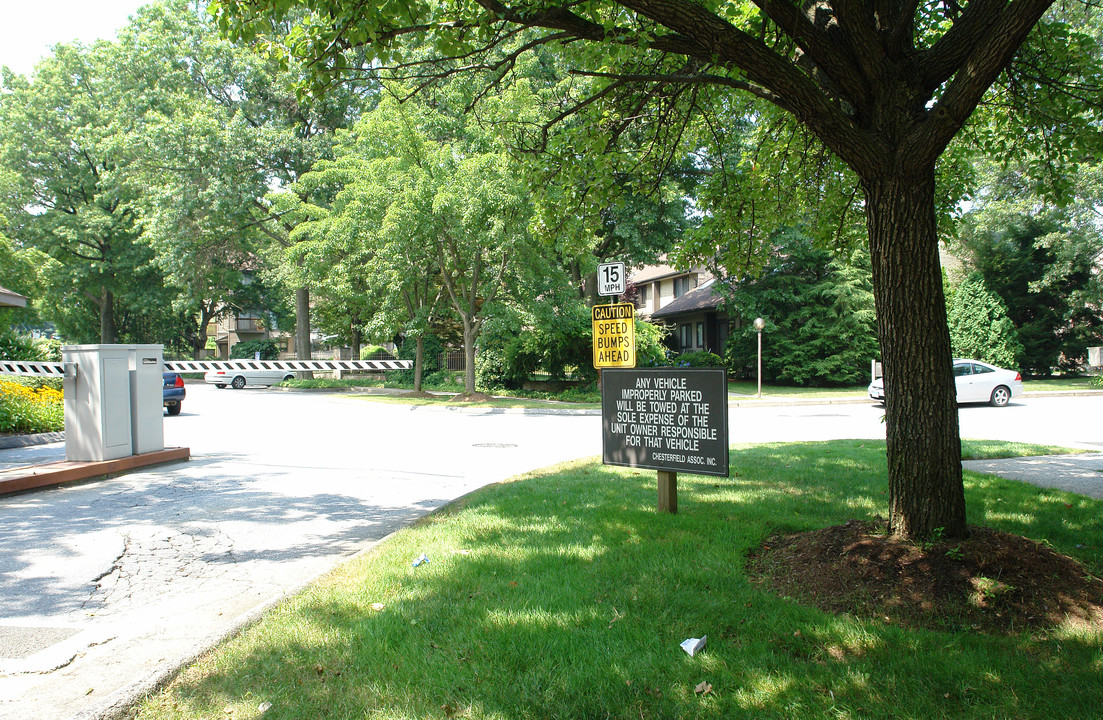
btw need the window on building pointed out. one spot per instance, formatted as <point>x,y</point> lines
<point>700,334</point>
<point>643,290</point>
<point>685,332</point>
<point>684,284</point>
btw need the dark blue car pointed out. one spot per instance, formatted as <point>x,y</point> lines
<point>174,392</point>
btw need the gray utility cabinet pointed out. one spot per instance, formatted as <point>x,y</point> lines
<point>113,401</point>
<point>147,400</point>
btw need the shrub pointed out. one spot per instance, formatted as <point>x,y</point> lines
<point>14,346</point>
<point>979,325</point>
<point>650,348</point>
<point>553,339</point>
<point>375,352</point>
<point>247,350</point>
<point>698,359</point>
<point>30,407</point>
<point>407,350</point>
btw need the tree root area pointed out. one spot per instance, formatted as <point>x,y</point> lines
<point>990,582</point>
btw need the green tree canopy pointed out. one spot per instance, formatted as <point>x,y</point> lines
<point>1048,289</point>
<point>884,87</point>
<point>59,138</point>
<point>428,208</point>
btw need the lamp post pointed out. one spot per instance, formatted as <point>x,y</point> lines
<point>759,323</point>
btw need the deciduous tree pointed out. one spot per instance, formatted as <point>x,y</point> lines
<point>884,85</point>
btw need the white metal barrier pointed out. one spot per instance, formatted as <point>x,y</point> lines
<point>57,369</point>
<point>113,398</point>
<point>33,369</point>
<point>185,366</point>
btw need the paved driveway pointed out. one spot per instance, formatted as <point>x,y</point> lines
<point>109,581</point>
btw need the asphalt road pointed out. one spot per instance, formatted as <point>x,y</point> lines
<point>104,586</point>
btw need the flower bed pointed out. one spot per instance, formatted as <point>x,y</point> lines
<point>32,407</point>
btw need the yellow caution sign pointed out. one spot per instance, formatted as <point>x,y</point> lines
<point>614,335</point>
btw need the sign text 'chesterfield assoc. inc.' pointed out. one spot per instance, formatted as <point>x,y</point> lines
<point>673,419</point>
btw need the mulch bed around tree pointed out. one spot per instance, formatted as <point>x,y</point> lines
<point>991,582</point>
<point>473,397</point>
<point>416,394</point>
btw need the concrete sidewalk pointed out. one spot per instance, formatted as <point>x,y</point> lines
<point>1081,473</point>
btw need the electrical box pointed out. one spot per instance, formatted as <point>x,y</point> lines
<point>146,398</point>
<point>97,402</point>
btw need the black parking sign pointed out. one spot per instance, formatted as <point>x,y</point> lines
<point>673,419</point>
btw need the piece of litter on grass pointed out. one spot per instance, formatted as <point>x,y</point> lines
<point>264,707</point>
<point>421,559</point>
<point>377,606</point>
<point>703,688</point>
<point>694,645</point>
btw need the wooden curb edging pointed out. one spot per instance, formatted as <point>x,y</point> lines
<point>30,477</point>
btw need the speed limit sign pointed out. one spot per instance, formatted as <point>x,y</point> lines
<point>611,279</point>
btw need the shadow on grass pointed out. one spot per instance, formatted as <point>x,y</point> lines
<point>565,595</point>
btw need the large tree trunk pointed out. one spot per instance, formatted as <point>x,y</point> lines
<point>355,341</point>
<point>926,493</point>
<point>589,289</point>
<point>302,328</point>
<point>108,333</point>
<point>419,361</point>
<point>470,335</point>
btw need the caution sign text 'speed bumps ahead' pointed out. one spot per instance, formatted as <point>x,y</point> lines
<point>614,335</point>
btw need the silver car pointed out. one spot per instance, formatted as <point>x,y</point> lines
<point>976,382</point>
<point>240,377</point>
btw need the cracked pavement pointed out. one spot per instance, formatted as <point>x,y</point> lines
<point>108,585</point>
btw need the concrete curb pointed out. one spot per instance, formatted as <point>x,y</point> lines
<point>18,441</point>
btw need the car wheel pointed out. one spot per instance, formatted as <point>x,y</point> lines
<point>1001,396</point>
<point>238,383</point>
<point>220,386</point>
<point>175,409</point>
<point>289,376</point>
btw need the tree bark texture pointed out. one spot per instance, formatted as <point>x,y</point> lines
<point>926,494</point>
<point>302,328</point>
<point>470,335</point>
<point>107,318</point>
<point>302,323</point>
<point>419,361</point>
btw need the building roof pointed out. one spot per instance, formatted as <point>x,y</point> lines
<point>705,297</point>
<point>651,273</point>
<point>11,299</point>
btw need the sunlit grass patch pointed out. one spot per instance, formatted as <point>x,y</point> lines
<point>564,594</point>
<point>972,449</point>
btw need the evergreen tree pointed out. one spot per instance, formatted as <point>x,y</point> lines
<point>979,326</point>
<point>821,326</point>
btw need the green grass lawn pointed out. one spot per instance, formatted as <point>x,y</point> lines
<point>500,402</point>
<point>563,594</point>
<point>750,389</point>
<point>1070,383</point>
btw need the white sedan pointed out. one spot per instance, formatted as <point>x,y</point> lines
<point>239,378</point>
<point>976,382</point>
